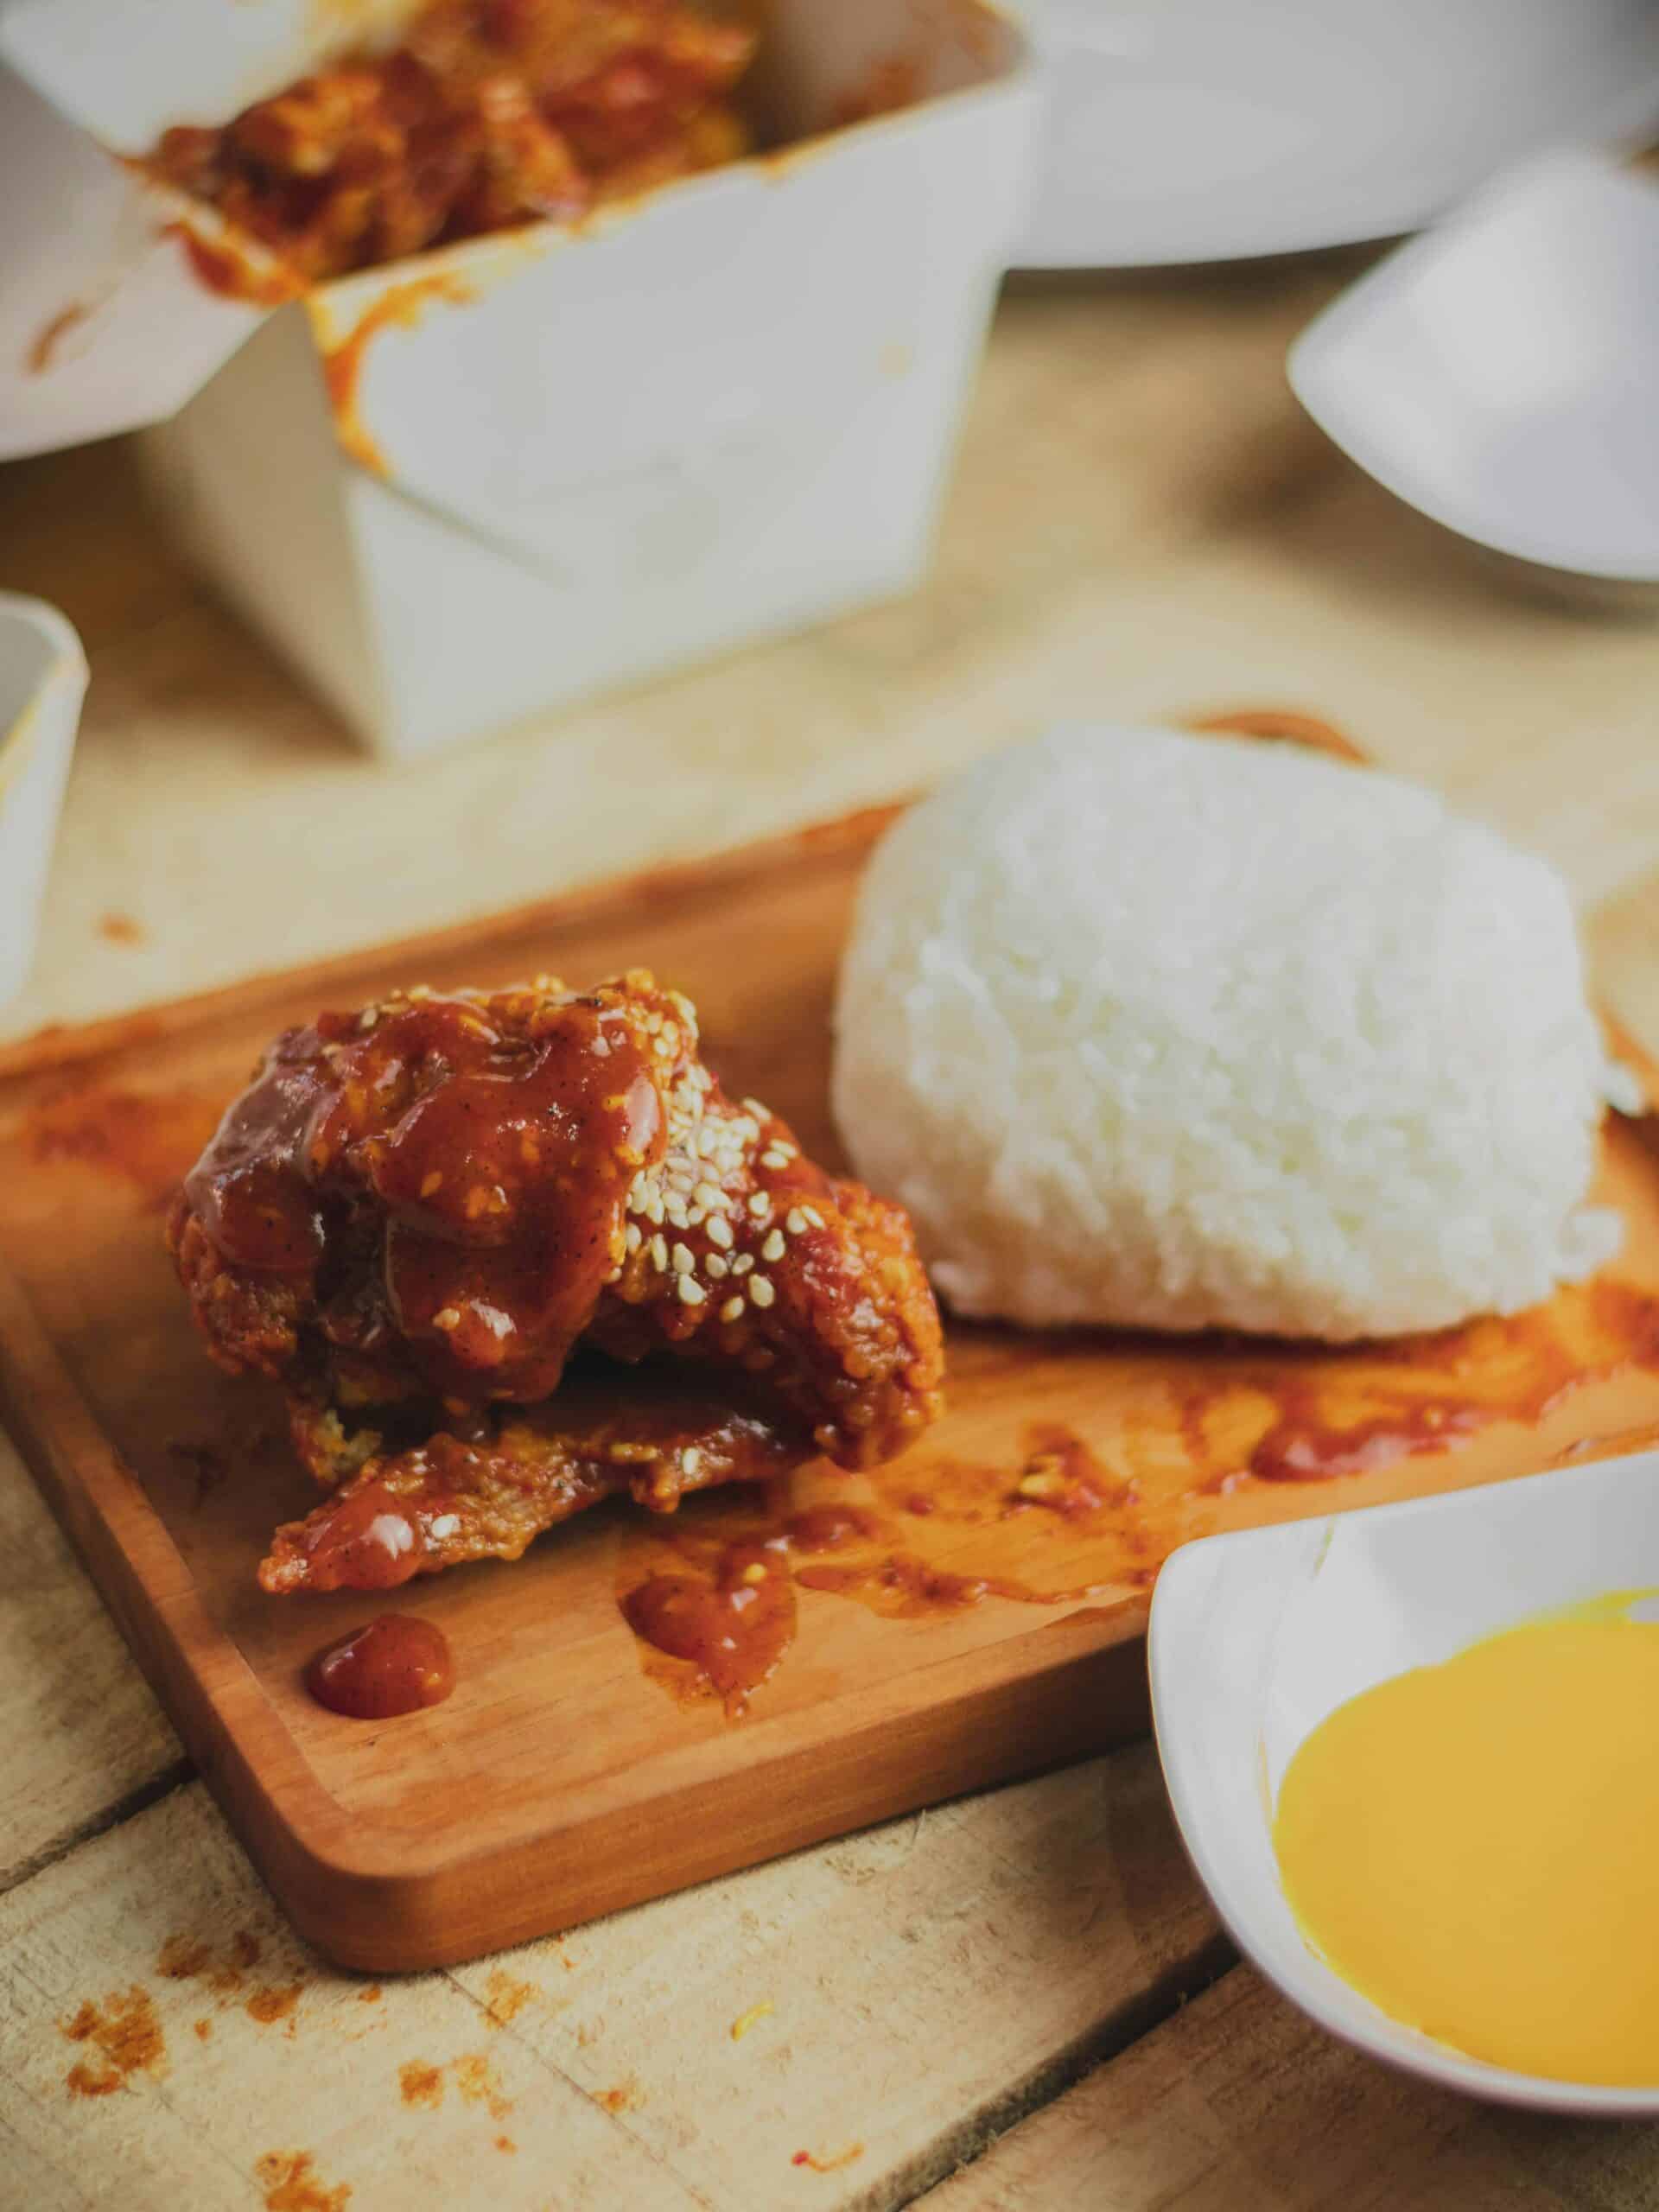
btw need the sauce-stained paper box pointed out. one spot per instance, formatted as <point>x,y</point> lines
<point>507,474</point>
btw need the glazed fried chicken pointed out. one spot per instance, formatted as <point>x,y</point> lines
<point>486,114</point>
<point>414,1218</point>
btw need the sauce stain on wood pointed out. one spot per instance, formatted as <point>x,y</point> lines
<point>126,2039</point>
<point>397,1664</point>
<point>832,2166</point>
<point>291,2184</point>
<point>507,1997</point>
<point>274,2002</point>
<point>147,1138</point>
<point>476,2080</point>
<point>626,2096</point>
<point>121,929</point>
<point>421,2085</point>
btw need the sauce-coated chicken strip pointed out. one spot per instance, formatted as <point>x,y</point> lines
<point>420,1211</point>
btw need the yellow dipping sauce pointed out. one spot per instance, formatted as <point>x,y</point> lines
<point>1475,1846</point>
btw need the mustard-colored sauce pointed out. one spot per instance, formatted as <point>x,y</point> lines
<point>1475,1846</point>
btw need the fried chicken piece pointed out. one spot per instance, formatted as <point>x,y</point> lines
<point>450,1499</point>
<point>487,114</point>
<point>415,1213</point>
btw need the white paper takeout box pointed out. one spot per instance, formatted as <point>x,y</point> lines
<point>568,455</point>
<point>42,682</point>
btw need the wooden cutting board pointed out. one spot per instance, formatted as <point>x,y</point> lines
<point>573,1771</point>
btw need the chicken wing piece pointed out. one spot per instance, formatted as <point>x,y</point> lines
<point>426,1207</point>
<point>450,1498</point>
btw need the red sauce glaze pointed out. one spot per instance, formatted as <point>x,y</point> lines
<point>500,1163</point>
<point>485,115</point>
<point>374,1541</point>
<point>232,275</point>
<point>396,1664</point>
<point>734,1626</point>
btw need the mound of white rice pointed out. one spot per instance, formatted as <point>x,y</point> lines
<point>1187,1032</point>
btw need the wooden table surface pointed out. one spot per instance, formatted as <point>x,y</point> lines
<point>1017,2003</point>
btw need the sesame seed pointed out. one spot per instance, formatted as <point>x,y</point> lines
<point>695,1217</point>
<point>708,1198</point>
<point>654,1208</point>
<point>773,1247</point>
<point>753,1573</point>
<point>690,1460</point>
<point>675,1209</point>
<point>720,1232</point>
<point>795,1221</point>
<point>760,1204</point>
<point>813,1215</point>
<point>446,1318</point>
<point>761,1291</point>
<point>754,1106</point>
<point>634,1237</point>
<point>742,1263</point>
<point>683,1259</point>
<point>691,1291</point>
<point>772,1157</point>
<point>660,1254</point>
<point>732,1310</point>
<point>715,1265</point>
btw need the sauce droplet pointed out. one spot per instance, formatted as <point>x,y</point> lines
<point>733,1626</point>
<point>396,1664</point>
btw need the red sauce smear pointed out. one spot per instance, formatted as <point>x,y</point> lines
<point>397,1664</point>
<point>149,1138</point>
<point>732,1625</point>
<point>500,1184</point>
<point>401,307</point>
<point>221,269</point>
<point>43,349</point>
<point>920,1542</point>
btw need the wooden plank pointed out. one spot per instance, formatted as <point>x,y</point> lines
<point>84,1734</point>
<point>1048,1914</point>
<point>1142,519</point>
<point>436,1838</point>
<point>1239,2104</point>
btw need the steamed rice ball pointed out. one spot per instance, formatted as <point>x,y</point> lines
<point>1182,1033</point>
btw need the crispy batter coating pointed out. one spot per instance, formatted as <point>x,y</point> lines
<point>416,1213</point>
<point>449,1498</point>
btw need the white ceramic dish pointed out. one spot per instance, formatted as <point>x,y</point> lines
<point>1201,131</point>
<point>1502,372</point>
<point>42,680</point>
<point>1256,1637</point>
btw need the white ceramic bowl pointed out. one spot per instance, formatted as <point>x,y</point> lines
<point>1256,1637</point>
<point>1502,372</point>
<point>1200,130</point>
<point>42,680</point>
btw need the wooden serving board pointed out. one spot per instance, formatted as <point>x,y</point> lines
<point>572,1773</point>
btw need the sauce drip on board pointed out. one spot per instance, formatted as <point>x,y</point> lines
<point>147,1138</point>
<point>396,1664</point>
<point>1066,1519</point>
